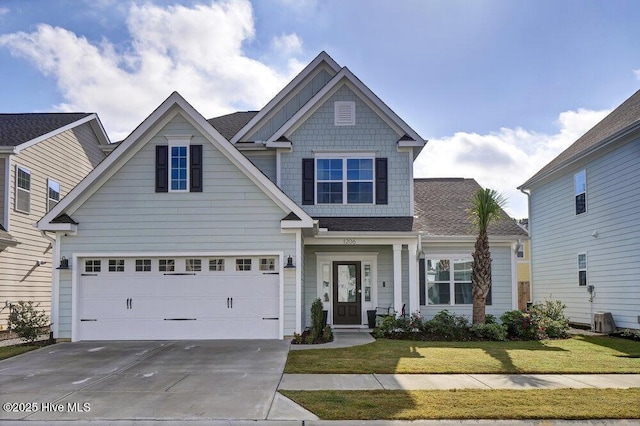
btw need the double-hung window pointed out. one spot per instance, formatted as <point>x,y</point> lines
<point>53,194</point>
<point>344,180</point>
<point>582,269</point>
<point>179,165</point>
<point>580,183</point>
<point>447,277</point>
<point>23,190</point>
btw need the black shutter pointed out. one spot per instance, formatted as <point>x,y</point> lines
<point>308,178</point>
<point>195,168</point>
<point>381,181</point>
<point>421,275</point>
<point>162,168</point>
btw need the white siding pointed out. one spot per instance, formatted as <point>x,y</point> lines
<point>127,215</point>
<point>501,276</point>
<point>66,158</point>
<point>558,235</point>
<point>3,194</point>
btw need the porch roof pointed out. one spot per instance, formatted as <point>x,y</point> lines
<point>365,224</point>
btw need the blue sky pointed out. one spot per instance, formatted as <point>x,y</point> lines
<point>498,87</point>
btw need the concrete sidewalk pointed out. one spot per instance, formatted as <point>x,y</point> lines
<point>455,381</point>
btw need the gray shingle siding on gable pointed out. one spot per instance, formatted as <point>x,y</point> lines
<point>558,235</point>
<point>291,107</point>
<point>370,134</point>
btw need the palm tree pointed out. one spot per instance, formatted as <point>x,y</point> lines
<point>487,205</point>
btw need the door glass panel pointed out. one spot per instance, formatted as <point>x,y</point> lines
<point>346,283</point>
<point>367,283</point>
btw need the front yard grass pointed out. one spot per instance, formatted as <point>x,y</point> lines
<point>579,354</point>
<point>471,404</point>
<point>9,351</point>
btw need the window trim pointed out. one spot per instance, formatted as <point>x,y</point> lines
<point>585,269</point>
<point>344,157</point>
<point>17,188</point>
<point>582,172</point>
<point>49,199</point>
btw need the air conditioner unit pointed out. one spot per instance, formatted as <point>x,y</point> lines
<point>603,322</point>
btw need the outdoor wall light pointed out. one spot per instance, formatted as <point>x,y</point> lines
<point>64,263</point>
<point>289,264</point>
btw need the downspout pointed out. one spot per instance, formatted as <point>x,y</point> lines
<point>55,286</point>
<point>528,194</point>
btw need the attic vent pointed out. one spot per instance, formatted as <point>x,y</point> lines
<point>345,113</point>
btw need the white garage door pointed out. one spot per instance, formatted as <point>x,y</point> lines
<point>178,298</point>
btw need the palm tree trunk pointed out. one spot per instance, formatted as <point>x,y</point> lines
<point>481,277</point>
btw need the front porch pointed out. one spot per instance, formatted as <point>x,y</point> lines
<point>352,275</point>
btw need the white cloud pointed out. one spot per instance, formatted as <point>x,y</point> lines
<point>505,159</point>
<point>287,44</point>
<point>637,73</point>
<point>4,11</point>
<point>196,51</point>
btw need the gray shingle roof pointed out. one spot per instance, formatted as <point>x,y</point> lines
<point>442,209</point>
<point>64,218</point>
<point>16,129</point>
<point>379,224</point>
<point>230,124</point>
<point>627,114</point>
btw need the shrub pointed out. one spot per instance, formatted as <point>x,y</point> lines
<point>318,332</point>
<point>522,325</point>
<point>26,321</point>
<point>550,314</point>
<point>446,326</point>
<point>489,331</point>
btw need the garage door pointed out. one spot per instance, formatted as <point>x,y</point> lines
<point>178,298</point>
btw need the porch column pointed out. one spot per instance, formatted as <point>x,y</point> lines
<point>397,278</point>
<point>414,294</point>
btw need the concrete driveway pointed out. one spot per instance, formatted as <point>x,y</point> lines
<point>186,380</point>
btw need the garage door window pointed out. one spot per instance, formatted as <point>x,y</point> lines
<point>92,265</point>
<point>167,265</point>
<point>116,265</point>
<point>143,265</point>
<point>193,265</point>
<point>216,264</point>
<point>267,264</point>
<point>243,264</point>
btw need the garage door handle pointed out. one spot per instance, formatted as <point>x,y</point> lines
<point>232,303</point>
<point>227,303</point>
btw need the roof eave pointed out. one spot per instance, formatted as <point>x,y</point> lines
<point>624,133</point>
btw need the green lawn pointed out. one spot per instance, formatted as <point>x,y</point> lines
<point>471,404</point>
<point>580,354</point>
<point>9,351</point>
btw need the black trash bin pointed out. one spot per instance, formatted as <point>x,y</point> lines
<point>371,317</point>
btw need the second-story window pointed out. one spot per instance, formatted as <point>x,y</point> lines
<point>53,194</point>
<point>580,181</point>
<point>23,190</point>
<point>178,166</point>
<point>344,180</point>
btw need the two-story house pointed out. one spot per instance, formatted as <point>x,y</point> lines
<point>231,227</point>
<point>42,156</point>
<point>584,221</point>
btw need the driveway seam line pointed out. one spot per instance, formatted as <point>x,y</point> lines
<point>102,379</point>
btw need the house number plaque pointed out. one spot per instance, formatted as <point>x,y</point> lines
<point>349,241</point>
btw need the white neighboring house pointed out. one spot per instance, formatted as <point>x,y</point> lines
<point>585,224</point>
<point>42,156</point>
<point>229,228</point>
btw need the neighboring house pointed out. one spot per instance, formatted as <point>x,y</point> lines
<point>231,227</point>
<point>524,268</point>
<point>584,222</point>
<point>42,156</point>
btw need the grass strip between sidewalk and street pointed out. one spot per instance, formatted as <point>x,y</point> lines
<point>10,351</point>
<point>579,354</point>
<point>471,404</point>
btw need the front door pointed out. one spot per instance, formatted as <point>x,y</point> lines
<point>347,293</point>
